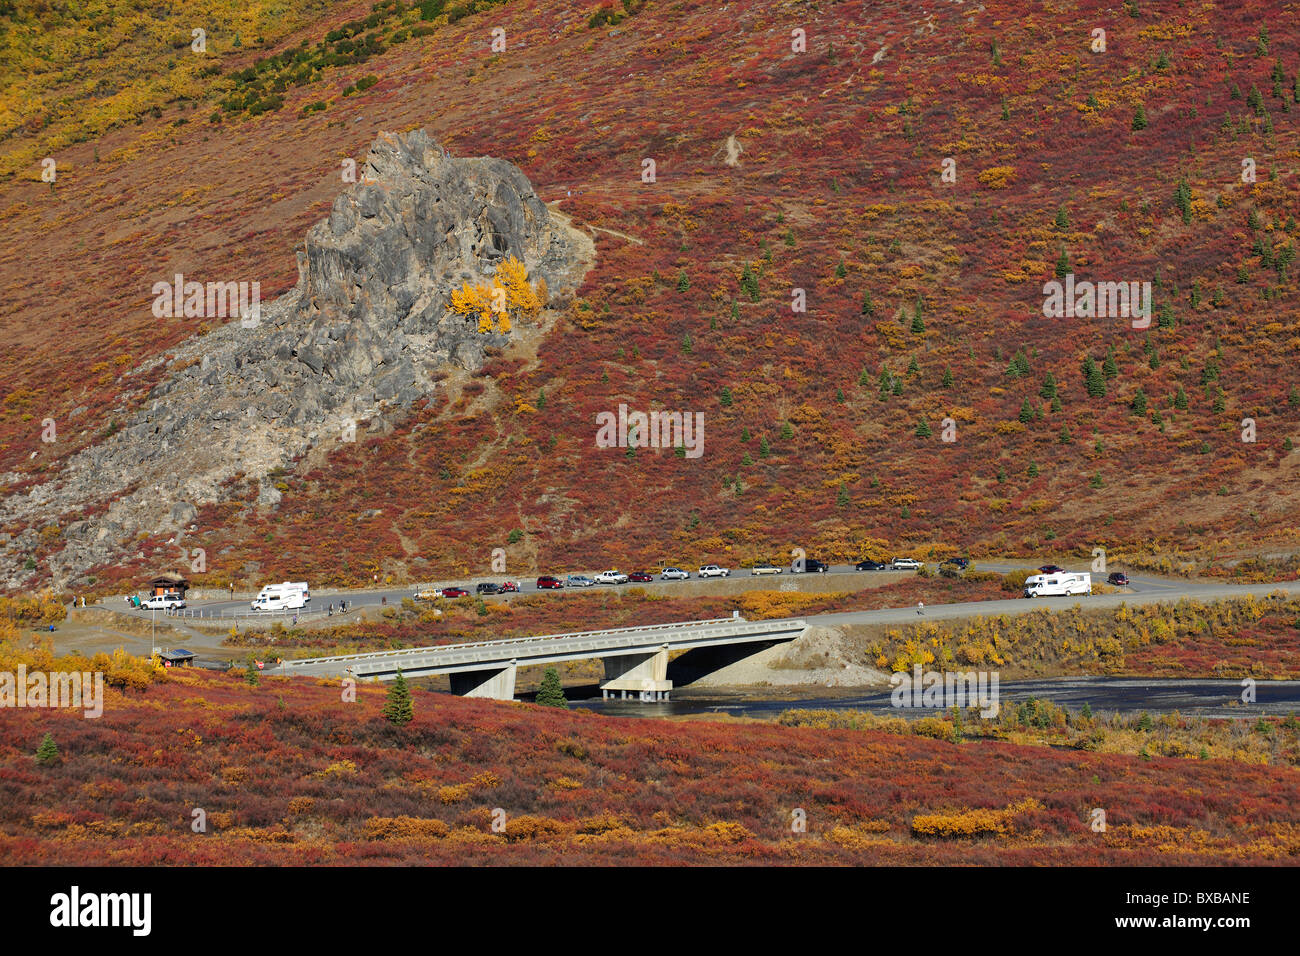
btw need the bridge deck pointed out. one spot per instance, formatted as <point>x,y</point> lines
<point>548,648</point>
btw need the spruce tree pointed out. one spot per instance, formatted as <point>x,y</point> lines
<point>842,499</point>
<point>398,709</point>
<point>683,281</point>
<point>251,677</point>
<point>787,431</point>
<point>912,367</point>
<point>748,284</point>
<point>1063,264</point>
<point>1062,218</point>
<point>868,307</point>
<point>923,430</point>
<point>764,448</point>
<point>1049,386</point>
<point>724,399</point>
<point>1026,413</point>
<point>917,325</point>
<point>48,751</point>
<point>947,377</point>
<point>1139,403</point>
<point>744,433</point>
<point>551,693</point>
<point>1109,367</point>
<point>1093,378</point>
<point>1180,400</point>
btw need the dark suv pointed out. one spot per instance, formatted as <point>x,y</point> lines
<point>488,588</point>
<point>810,566</point>
<point>1117,578</point>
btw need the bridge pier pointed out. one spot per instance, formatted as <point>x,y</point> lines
<point>495,684</point>
<point>644,675</point>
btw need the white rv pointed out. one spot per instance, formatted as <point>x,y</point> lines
<point>289,596</point>
<point>1061,584</point>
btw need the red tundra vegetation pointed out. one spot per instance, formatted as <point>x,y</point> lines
<point>288,771</point>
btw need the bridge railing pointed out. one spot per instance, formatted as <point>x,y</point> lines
<point>589,641</point>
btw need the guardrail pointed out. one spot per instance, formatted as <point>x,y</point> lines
<point>227,614</point>
<point>582,640</point>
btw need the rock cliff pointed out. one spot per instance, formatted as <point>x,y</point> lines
<point>358,338</point>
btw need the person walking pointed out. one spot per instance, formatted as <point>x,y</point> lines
<point>920,607</point>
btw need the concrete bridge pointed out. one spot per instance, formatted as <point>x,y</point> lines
<point>635,658</point>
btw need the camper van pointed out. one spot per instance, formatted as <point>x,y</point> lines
<point>1061,584</point>
<point>289,596</point>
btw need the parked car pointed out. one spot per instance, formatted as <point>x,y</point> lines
<point>962,563</point>
<point>905,564</point>
<point>428,594</point>
<point>641,577</point>
<point>611,576</point>
<point>578,581</point>
<point>1117,578</point>
<point>163,602</point>
<point>1052,569</point>
<point>454,593</point>
<point>713,571</point>
<point>488,587</point>
<point>510,586</point>
<point>674,574</point>
<point>869,565</point>
<point>765,568</point>
<point>549,582</point>
<point>810,566</point>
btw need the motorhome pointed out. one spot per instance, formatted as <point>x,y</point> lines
<point>289,596</point>
<point>1061,584</point>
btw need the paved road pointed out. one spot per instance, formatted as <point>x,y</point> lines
<point>1140,584</point>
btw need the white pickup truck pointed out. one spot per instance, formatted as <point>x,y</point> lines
<point>713,571</point>
<point>611,577</point>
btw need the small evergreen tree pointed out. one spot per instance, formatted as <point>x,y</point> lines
<point>923,430</point>
<point>398,709</point>
<point>683,281</point>
<point>868,307</point>
<point>1062,218</point>
<point>1026,413</point>
<point>48,751</point>
<point>1049,386</point>
<point>787,431</point>
<point>840,270</point>
<point>724,398</point>
<point>551,693</point>
<point>1109,367</point>
<point>749,284</point>
<point>1140,118</point>
<point>251,676</point>
<point>912,367</point>
<point>1093,378</point>
<point>744,433</point>
<point>842,499</point>
<point>764,448</point>
<point>1065,438</point>
<point>1139,403</point>
<point>917,325</point>
<point>1180,400</point>
<point>947,377</point>
<point>1062,264</point>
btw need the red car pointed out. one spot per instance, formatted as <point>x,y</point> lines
<point>509,586</point>
<point>640,577</point>
<point>546,582</point>
<point>454,592</point>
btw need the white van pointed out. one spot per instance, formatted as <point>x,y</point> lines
<point>1061,584</point>
<point>289,596</point>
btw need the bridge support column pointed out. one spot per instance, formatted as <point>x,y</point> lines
<point>495,684</point>
<point>644,675</point>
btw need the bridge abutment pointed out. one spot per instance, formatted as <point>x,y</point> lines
<point>643,675</point>
<point>495,684</point>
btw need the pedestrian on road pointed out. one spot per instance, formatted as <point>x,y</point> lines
<point>920,607</point>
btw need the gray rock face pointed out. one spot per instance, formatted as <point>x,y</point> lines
<point>357,338</point>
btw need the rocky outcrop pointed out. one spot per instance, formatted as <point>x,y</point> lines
<point>358,338</point>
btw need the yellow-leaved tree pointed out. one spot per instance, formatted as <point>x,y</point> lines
<point>509,293</point>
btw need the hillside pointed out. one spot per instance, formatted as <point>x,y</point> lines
<point>774,171</point>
